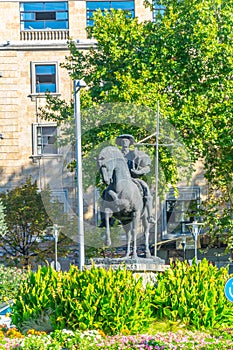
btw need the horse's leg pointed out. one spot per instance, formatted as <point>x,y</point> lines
<point>135,226</point>
<point>146,229</point>
<point>108,237</point>
<point>127,229</point>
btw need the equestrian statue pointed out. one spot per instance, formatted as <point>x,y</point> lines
<point>127,198</point>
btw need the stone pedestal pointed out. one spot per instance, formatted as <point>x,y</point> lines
<point>153,264</point>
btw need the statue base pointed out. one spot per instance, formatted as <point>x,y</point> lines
<point>153,264</point>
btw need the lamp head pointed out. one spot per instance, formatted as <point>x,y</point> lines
<point>80,83</point>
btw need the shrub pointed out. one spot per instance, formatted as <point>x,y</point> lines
<point>193,294</point>
<point>10,280</point>
<point>35,296</point>
<point>113,301</point>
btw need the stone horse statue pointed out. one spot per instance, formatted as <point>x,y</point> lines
<point>123,198</point>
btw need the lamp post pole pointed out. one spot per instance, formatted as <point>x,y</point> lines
<point>195,236</point>
<point>195,230</point>
<point>55,235</point>
<point>78,84</point>
<point>156,179</point>
<point>156,146</point>
<point>183,243</point>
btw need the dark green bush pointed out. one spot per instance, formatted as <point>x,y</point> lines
<point>193,294</point>
<point>112,301</point>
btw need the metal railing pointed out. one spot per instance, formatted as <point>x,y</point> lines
<point>44,35</point>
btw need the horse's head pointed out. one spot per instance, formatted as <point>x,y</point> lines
<point>109,158</point>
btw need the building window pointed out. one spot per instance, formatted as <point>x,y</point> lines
<point>44,78</point>
<point>92,6</point>
<point>181,210</point>
<point>44,15</point>
<point>158,10</point>
<point>60,198</point>
<point>45,139</point>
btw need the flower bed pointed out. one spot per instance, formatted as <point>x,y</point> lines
<point>95,340</point>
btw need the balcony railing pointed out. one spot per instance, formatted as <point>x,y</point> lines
<point>44,35</point>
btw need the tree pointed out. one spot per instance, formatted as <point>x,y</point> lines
<point>183,60</point>
<point>196,60</point>
<point>27,219</point>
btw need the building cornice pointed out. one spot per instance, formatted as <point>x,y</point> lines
<point>45,45</point>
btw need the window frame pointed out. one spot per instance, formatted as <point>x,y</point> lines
<point>89,13</point>
<point>180,206</point>
<point>34,75</point>
<point>157,10</point>
<point>35,144</point>
<point>179,213</point>
<point>33,14</point>
<point>62,197</point>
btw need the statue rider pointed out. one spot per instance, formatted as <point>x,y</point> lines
<point>139,164</point>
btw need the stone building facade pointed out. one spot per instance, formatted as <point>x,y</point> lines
<point>33,44</point>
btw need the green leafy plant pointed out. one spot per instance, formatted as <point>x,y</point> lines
<point>193,294</point>
<point>35,296</point>
<point>41,323</point>
<point>3,225</point>
<point>113,301</point>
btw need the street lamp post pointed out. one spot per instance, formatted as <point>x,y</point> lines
<point>156,145</point>
<point>78,84</point>
<point>55,232</point>
<point>195,230</point>
<point>156,178</point>
<point>55,235</point>
<point>183,243</point>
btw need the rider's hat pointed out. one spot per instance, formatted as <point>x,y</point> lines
<point>124,136</point>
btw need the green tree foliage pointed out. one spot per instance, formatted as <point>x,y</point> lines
<point>3,226</point>
<point>27,219</point>
<point>197,65</point>
<point>183,60</point>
